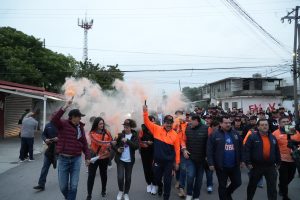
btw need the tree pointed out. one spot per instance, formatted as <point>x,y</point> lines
<point>193,94</point>
<point>23,59</point>
<point>104,76</point>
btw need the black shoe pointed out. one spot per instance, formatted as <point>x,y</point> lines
<point>160,190</point>
<point>89,197</point>
<point>286,198</point>
<point>103,194</point>
<point>39,188</point>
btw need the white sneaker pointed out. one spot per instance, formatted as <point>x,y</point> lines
<point>188,197</point>
<point>196,199</point>
<point>126,197</point>
<point>149,188</point>
<point>154,190</point>
<point>209,189</point>
<point>120,195</point>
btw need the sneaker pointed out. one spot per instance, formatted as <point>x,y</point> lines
<point>103,194</point>
<point>177,185</point>
<point>160,190</point>
<point>209,189</point>
<point>197,199</point>
<point>21,161</point>
<point>109,167</point>
<point>120,195</point>
<point>181,193</point>
<point>31,160</point>
<point>188,197</point>
<point>149,188</point>
<point>39,188</point>
<point>126,197</point>
<point>260,185</point>
<point>154,190</point>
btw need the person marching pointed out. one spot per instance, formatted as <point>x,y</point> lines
<point>70,145</point>
<point>166,150</point>
<point>193,146</point>
<point>224,155</point>
<point>146,147</point>
<point>126,145</point>
<point>100,147</point>
<point>287,168</point>
<point>262,157</point>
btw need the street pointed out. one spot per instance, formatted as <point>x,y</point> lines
<point>17,184</point>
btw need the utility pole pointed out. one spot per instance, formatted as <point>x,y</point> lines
<point>86,25</point>
<point>295,70</point>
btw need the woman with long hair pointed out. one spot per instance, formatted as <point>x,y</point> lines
<point>125,147</point>
<point>100,151</point>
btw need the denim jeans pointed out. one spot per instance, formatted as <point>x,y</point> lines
<point>194,173</point>
<point>209,177</point>
<point>44,171</point>
<point>124,171</point>
<point>68,175</point>
<point>182,177</point>
<point>26,147</point>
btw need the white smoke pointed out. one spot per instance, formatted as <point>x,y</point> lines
<point>116,106</point>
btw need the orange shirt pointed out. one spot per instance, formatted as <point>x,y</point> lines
<point>266,146</point>
<point>285,152</point>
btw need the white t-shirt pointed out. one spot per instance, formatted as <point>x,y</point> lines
<point>125,157</point>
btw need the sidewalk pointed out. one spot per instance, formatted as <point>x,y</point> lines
<point>10,148</point>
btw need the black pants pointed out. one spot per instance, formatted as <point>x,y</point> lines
<point>26,147</point>
<point>124,170</point>
<point>270,174</point>
<point>147,160</point>
<point>287,172</point>
<point>163,169</point>
<point>234,174</point>
<point>102,164</point>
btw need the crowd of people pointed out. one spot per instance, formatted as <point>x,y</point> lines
<point>184,146</point>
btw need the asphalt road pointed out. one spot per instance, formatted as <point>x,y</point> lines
<point>17,183</point>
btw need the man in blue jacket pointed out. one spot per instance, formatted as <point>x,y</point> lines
<point>224,154</point>
<point>262,157</point>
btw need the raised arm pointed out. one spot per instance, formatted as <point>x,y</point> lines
<point>150,125</point>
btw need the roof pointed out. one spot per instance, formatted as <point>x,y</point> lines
<point>38,92</point>
<point>242,78</point>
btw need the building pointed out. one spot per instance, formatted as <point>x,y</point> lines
<point>244,92</point>
<point>16,98</point>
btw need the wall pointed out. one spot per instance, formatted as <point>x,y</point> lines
<point>245,102</point>
<point>2,102</point>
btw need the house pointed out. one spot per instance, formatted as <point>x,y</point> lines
<point>15,98</point>
<point>244,92</point>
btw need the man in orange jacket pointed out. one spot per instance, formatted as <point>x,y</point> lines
<point>166,150</point>
<point>288,166</point>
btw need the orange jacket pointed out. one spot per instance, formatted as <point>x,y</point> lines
<point>166,144</point>
<point>285,152</point>
<point>101,143</point>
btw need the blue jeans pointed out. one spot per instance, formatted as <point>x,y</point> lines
<point>68,175</point>
<point>44,171</point>
<point>194,177</point>
<point>182,177</point>
<point>209,177</point>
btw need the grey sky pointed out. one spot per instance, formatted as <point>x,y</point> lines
<point>161,34</point>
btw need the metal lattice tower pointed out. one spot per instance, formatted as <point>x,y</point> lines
<point>86,25</point>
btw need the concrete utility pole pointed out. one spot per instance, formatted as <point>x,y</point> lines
<point>295,69</point>
<point>86,25</point>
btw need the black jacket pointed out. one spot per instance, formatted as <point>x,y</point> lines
<point>133,144</point>
<point>196,139</point>
<point>216,147</point>
<point>253,150</point>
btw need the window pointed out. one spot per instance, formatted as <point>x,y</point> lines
<point>234,104</point>
<point>258,84</point>
<point>226,105</point>
<point>246,84</point>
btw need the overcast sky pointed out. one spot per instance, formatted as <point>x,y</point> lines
<point>162,34</point>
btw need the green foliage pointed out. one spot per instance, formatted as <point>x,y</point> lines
<point>23,59</point>
<point>104,76</point>
<point>193,94</point>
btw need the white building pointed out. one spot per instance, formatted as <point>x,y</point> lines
<point>244,92</point>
